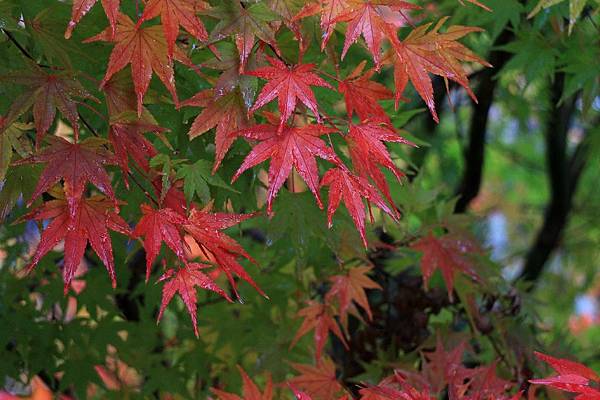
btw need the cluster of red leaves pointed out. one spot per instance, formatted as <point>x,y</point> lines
<point>346,292</point>
<point>291,139</point>
<point>571,377</point>
<point>442,371</point>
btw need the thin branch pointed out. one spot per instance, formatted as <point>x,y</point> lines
<point>474,154</point>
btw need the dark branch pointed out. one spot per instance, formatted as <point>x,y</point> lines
<point>475,152</point>
<point>563,174</point>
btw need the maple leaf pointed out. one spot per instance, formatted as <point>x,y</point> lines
<point>321,318</point>
<point>444,368</point>
<point>486,385</point>
<point>366,144</point>
<point>146,50</point>
<point>426,51</point>
<point>318,381</point>
<point>372,19</point>
<point>293,147</point>
<point>127,140</point>
<point>184,281</point>
<point>249,390</point>
<point>349,288</point>
<point>89,224</point>
<point>289,84</point>
<point>175,13</point>
<point>572,377</point>
<point>81,7</point>
<point>447,253</point>
<point>394,388</point>
<point>576,7</point>
<point>157,226</point>
<point>344,186</point>
<point>46,92</point>
<point>478,4</point>
<point>245,24</point>
<point>76,164</point>
<point>13,138</point>
<point>120,96</point>
<point>205,227</point>
<point>329,10</point>
<point>361,95</point>
<point>227,113</point>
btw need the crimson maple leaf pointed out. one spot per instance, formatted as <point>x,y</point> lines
<point>318,381</point>
<point>447,253</point>
<point>292,147</point>
<point>249,390</point>
<point>349,288</point>
<point>443,368</point>
<point>76,164</point>
<point>361,95</point>
<point>289,84</point>
<point>329,10</point>
<point>157,226</point>
<point>394,387</point>
<point>347,187</point>
<point>572,377</point>
<point>127,140</point>
<point>184,281</point>
<point>146,50</point>
<point>426,51</point>
<point>46,92</point>
<point>81,7</point>
<point>226,112</point>
<point>367,148</point>
<point>372,19</point>
<point>89,224</point>
<point>205,227</point>
<point>174,13</point>
<point>321,318</point>
<point>486,385</point>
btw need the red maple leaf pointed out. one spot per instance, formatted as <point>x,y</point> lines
<point>447,253</point>
<point>572,377</point>
<point>249,390</point>
<point>127,140</point>
<point>81,7</point>
<point>46,92</point>
<point>205,227</point>
<point>321,318</point>
<point>329,10</point>
<point>146,50</point>
<point>426,51</point>
<point>184,281</point>
<point>174,13</point>
<point>361,95</point>
<point>289,84</point>
<point>349,288</point>
<point>76,164</point>
<point>372,19</point>
<point>227,113</point>
<point>486,385</point>
<point>89,224</point>
<point>157,226</point>
<point>368,152</point>
<point>394,387</point>
<point>443,368</point>
<point>351,189</point>
<point>318,381</point>
<point>292,147</point>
